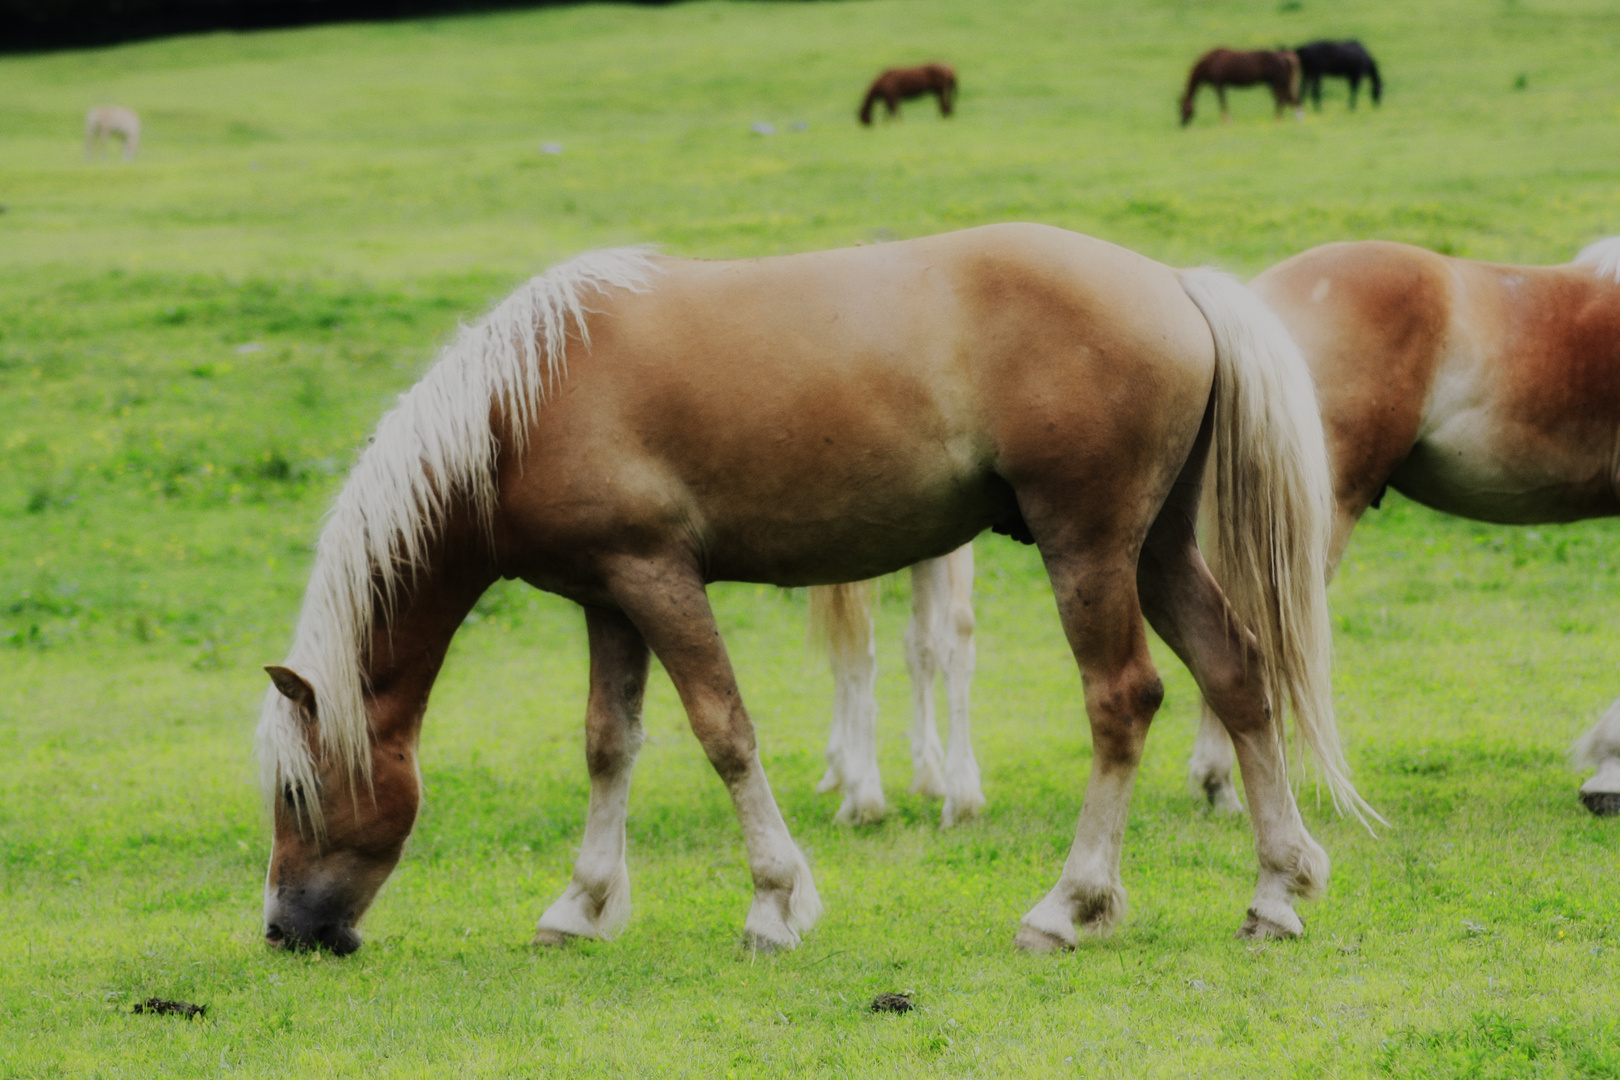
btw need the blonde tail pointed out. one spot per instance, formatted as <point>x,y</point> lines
<point>840,617</point>
<point>1273,513</point>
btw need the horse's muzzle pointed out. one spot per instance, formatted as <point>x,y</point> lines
<point>338,938</point>
<point>298,921</point>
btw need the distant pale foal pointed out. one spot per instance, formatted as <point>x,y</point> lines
<point>106,122</point>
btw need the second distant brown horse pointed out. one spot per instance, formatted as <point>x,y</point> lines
<point>1278,69</point>
<point>903,84</point>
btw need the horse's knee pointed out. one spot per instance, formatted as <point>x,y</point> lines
<point>1121,708</point>
<point>610,756</point>
<point>728,742</point>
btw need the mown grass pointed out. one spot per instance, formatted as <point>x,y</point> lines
<point>192,347</point>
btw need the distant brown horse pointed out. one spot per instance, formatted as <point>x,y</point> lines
<point>1278,69</point>
<point>903,84</point>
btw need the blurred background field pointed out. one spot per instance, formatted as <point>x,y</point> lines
<point>193,345</point>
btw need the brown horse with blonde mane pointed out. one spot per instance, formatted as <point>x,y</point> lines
<point>1483,390</point>
<point>1276,68</point>
<point>626,428</point>
<point>903,84</point>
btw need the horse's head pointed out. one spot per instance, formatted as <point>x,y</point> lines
<point>338,833</point>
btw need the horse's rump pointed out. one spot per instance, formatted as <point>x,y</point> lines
<point>1480,389</point>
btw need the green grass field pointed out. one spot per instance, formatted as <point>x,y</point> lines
<point>192,347</point>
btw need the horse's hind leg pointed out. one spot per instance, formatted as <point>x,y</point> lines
<point>1187,608</point>
<point>1210,770</point>
<point>1600,747</point>
<point>940,638</point>
<point>964,797</point>
<point>666,601</point>
<point>1096,593</point>
<point>596,903</point>
<point>926,649</point>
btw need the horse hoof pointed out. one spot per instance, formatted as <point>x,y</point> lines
<point>1601,803</point>
<point>1258,927</point>
<point>765,946</point>
<point>1039,942</point>
<point>551,939</point>
<point>1222,796</point>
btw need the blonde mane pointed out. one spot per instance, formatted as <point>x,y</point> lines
<point>1603,257</point>
<point>435,448</point>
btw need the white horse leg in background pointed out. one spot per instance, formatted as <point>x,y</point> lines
<point>841,619</point>
<point>939,638</point>
<point>1211,769</point>
<point>1599,748</point>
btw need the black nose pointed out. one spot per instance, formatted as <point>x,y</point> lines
<point>337,938</point>
<point>342,940</point>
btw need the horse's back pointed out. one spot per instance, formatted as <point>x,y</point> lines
<point>832,415</point>
<point>113,119</point>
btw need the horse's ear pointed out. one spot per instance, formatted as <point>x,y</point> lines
<point>293,686</point>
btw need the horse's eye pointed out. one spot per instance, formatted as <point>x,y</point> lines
<point>290,794</point>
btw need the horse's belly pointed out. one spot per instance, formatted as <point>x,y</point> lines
<point>851,537</point>
<point>1475,468</point>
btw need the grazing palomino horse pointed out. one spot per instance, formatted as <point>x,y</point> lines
<point>625,428</point>
<point>1487,391</point>
<point>1276,68</point>
<point>903,84</point>
<point>1348,59</point>
<point>112,121</point>
<point>939,641</point>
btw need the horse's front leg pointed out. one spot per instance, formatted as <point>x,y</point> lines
<point>1600,748</point>
<point>1355,84</point>
<point>1220,95</point>
<point>596,903</point>
<point>666,600</point>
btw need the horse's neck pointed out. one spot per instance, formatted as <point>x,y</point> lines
<point>408,649</point>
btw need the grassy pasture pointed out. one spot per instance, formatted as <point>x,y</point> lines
<point>191,348</point>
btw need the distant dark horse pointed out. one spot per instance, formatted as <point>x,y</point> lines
<point>1345,58</point>
<point>903,84</point>
<point>1278,69</point>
